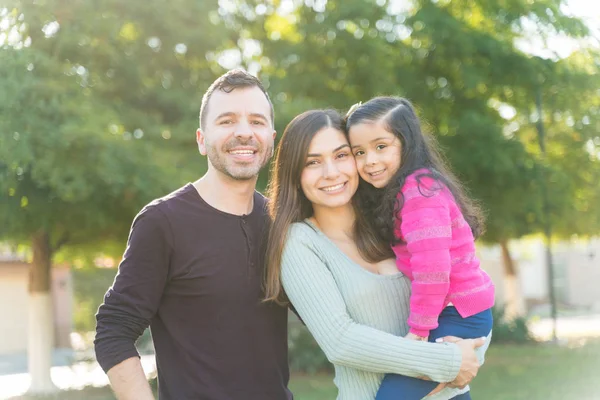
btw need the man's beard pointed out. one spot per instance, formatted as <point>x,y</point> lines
<point>239,171</point>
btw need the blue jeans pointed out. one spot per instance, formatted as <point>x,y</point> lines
<point>399,387</point>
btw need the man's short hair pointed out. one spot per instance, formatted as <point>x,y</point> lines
<point>228,82</point>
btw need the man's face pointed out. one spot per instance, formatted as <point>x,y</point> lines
<point>238,137</point>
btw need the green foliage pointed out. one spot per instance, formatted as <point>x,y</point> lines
<point>514,331</point>
<point>457,61</point>
<point>61,169</point>
<point>89,286</point>
<point>99,106</point>
<point>112,92</point>
<point>305,355</point>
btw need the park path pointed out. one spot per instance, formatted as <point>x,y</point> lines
<point>76,376</point>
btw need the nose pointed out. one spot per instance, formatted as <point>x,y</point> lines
<point>370,158</point>
<point>330,170</point>
<point>243,130</point>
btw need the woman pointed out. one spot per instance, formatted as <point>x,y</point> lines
<point>339,275</point>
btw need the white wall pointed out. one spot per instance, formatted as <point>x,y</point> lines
<point>583,275</point>
<point>14,302</point>
<point>576,270</point>
<point>13,308</point>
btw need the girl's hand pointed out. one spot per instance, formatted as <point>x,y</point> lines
<point>412,336</point>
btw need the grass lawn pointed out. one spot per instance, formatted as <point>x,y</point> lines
<point>541,372</point>
<point>511,373</point>
<point>528,372</point>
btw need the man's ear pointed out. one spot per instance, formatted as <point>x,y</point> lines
<point>201,142</point>
<point>274,134</point>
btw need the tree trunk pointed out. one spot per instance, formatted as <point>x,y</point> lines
<point>41,320</point>
<point>514,305</point>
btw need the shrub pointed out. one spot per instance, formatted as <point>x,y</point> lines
<point>513,331</point>
<point>305,355</point>
<point>89,286</point>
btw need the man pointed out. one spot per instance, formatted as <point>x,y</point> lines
<point>193,266</point>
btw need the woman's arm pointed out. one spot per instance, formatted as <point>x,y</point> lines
<point>312,289</point>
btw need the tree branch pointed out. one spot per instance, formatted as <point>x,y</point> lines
<point>64,239</point>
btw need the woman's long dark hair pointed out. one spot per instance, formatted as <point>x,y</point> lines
<point>288,204</point>
<point>419,151</point>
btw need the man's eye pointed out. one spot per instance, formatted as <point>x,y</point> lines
<point>257,123</point>
<point>226,122</point>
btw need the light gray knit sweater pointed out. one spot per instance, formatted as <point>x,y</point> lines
<point>357,318</point>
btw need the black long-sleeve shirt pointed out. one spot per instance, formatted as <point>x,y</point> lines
<point>193,274</point>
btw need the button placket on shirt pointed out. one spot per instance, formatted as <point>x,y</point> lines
<point>245,228</point>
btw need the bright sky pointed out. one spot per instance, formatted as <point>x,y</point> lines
<point>557,46</point>
<point>560,46</point>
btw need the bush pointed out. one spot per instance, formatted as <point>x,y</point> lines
<point>305,355</point>
<point>89,286</point>
<point>514,331</point>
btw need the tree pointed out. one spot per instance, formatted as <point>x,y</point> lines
<point>457,61</point>
<point>90,94</point>
<point>568,97</point>
<point>64,180</point>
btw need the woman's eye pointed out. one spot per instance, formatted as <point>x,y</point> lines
<point>342,155</point>
<point>311,162</point>
<point>381,146</point>
<point>359,153</point>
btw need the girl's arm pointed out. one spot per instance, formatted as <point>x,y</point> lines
<point>312,289</point>
<point>426,228</point>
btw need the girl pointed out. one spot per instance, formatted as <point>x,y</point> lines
<point>422,209</point>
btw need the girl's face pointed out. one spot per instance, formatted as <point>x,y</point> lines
<point>377,151</point>
<point>329,178</point>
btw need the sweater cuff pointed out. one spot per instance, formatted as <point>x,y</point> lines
<point>419,332</point>
<point>456,361</point>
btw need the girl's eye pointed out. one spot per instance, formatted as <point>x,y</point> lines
<point>311,162</point>
<point>381,146</point>
<point>359,153</point>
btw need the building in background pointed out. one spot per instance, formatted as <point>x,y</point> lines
<point>14,276</point>
<point>576,270</point>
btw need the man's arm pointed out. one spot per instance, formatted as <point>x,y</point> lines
<point>129,382</point>
<point>132,301</point>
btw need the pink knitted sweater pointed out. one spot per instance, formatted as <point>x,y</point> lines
<point>437,253</point>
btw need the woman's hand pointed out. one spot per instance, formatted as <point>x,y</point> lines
<point>469,365</point>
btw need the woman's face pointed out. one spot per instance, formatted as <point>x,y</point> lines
<point>378,152</point>
<point>329,178</point>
